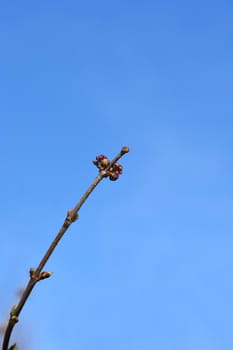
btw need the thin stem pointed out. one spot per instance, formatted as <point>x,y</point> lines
<point>35,275</point>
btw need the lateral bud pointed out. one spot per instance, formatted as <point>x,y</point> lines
<point>31,272</point>
<point>44,275</point>
<point>13,317</point>
<point>69,213</point>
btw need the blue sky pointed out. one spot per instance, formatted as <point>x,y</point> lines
<point>149,264</point>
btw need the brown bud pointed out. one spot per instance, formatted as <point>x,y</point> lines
<point>125,149</point>
<point>69,213</point>
<point>44,275</point>
<point>31,272</point>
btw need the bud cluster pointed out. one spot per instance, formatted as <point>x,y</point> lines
<point>115,171</point>
<point>102,162</point>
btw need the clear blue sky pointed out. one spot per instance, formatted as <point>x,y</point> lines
<point>149,264</point>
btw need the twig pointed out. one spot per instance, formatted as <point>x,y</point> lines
<point>37,274</point>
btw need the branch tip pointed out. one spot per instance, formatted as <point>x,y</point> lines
<point>124,150</point>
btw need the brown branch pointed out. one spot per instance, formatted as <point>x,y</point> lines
<point>37,274</point>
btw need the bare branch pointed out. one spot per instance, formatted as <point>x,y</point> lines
<point>106,169</point>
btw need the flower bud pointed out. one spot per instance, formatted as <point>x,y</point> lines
<point>105,162</point>
<point>114,176</point>
<point>117,167</point>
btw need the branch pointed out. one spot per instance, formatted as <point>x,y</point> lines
<point>106,169</point>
